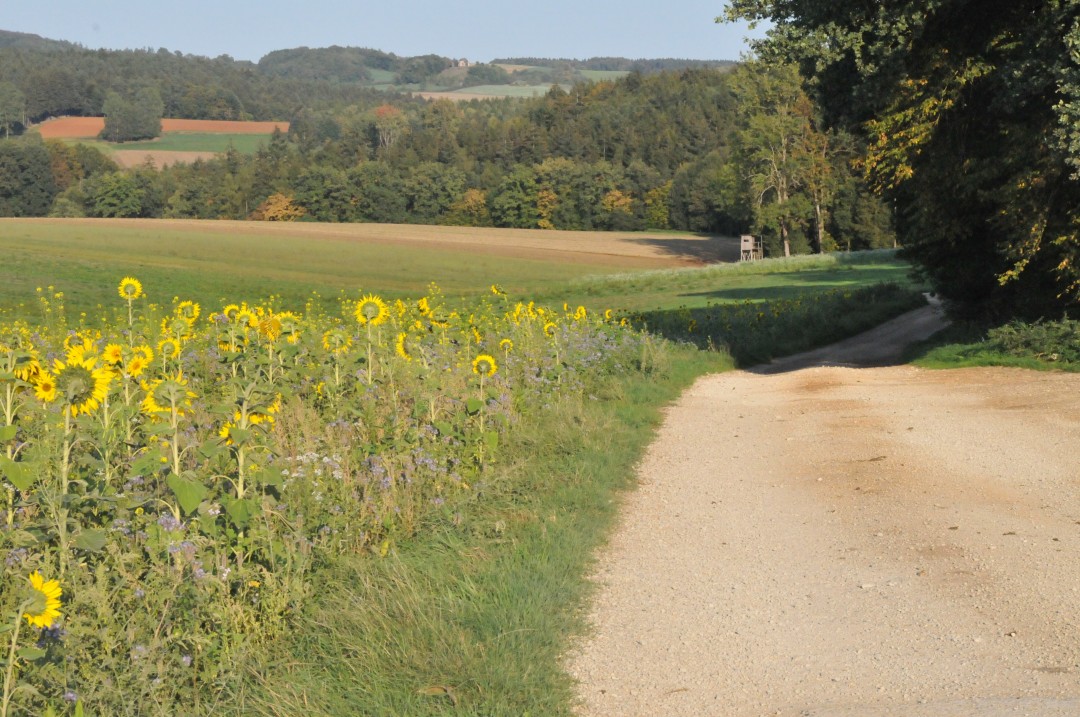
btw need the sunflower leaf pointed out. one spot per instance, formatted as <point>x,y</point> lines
<point>31,653</point>
<point>91,540</point>
<point>18,474</point>
<point>189,493</point>
<point>473,406</point>
<point>8,432</point>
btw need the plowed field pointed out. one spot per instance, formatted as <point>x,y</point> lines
<point>85,127</point>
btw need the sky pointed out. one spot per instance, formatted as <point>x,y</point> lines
<point>478,30</point>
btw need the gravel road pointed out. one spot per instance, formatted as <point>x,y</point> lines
<point>848,542</point>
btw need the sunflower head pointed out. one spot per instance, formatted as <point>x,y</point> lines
<point>484,365</point>
<point>113,354</point>
<point>169,348</point>
<point>188,310</point>
<point>401,348</point>
<point>45,387</point>
<point>336,341</point>
<point>506,345</point>
<point>130,289</point>
<point>371,310</point>
<point>43,606</point>
<point>80,385</point>
<point>549,329</point>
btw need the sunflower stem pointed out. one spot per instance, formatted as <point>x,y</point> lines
<point>9,672</point>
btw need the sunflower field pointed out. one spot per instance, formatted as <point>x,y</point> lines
<point>172,475</point>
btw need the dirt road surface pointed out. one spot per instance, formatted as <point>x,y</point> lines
<point>829,541</point>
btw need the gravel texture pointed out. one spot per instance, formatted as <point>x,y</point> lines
<point>848,542</point>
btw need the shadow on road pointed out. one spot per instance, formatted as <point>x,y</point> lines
<point>881,346</point>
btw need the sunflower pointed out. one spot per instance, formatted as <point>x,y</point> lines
<point>246,317</point>
<point>581,313</point>
<point>82,386</point>
<point>145,351</point>
<point>270,328</point>
<point>130,289</point>
<point>230,311</point>
<point>497,290</point>
<point>135,366</point>
<point>400,348</point>
<point>45,387</point>
<point>178,327</point>
<point>549,328</point>
<point>423,306</point>
<point>45,601</point>
<point>188,310</point>
<point>484,365</point>
<point>371,310</point>
<point>336,341</point>
<point>169,348</point>
<point>163,393</point>
<point>507,345</point>
<point>113,353</point>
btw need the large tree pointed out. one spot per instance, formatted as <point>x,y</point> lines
<point>970,108</point>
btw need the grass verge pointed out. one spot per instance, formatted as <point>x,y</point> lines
<point>473,616</point>
<point>1044,346</point>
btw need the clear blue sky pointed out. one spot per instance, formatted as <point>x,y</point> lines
<point>479,30</point>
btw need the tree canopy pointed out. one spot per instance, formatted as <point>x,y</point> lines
<point>971,111</point>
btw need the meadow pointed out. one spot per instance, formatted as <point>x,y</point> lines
<point>217,142</point>
<point>250,471</point>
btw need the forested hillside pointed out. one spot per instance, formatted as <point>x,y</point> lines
<point>711,150</point>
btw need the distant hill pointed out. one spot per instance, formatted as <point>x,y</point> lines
<point>618,64</point>
<point>27,41</point>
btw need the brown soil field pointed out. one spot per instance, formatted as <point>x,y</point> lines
<point>626,249</point>
<point>78,127</point>
<point>134,157</point>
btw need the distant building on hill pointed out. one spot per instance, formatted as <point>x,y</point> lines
<point>461,63</point>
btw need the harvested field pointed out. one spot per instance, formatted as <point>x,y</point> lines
<point>88,127</point>
<point>129,158</point>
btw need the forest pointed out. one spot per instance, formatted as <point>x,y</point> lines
<point>698,149</point>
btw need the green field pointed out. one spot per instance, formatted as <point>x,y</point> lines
<point>200,261</point>
<point>506,90</point>
<point>602,75</point>
<point>186,142</point>
<point>221,262</point>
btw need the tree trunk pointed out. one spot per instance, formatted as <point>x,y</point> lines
<point>820,226</point>
<point>784,237</point>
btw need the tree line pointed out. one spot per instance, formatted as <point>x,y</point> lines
<point>698,150</point>
<point>971,118</point>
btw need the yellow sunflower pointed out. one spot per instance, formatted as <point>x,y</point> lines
<point>169,348</point>
<point>113,354</point>
<point>80,384</point>
<point>484,365</point>
<point>371,310</point>
<point>45,601</point>
<point>145,351</point>
<point>506,345</point>
<point>135,366</point>
<point>188,310</point>
<point>163,393</point>
<point>45,387</point>
<point>423,306</point>
<point>549,328</point>
<point>130,289</point>
<point>400,348</point>
<point>336,341</point>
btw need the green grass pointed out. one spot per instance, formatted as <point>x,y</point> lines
<point>86,259</point>
<point>482,608</point>
<point>506,90</point>
<point>767,280</point>
<point>1050,346</point>
<point>601,75</point>
<point>187,142</point>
